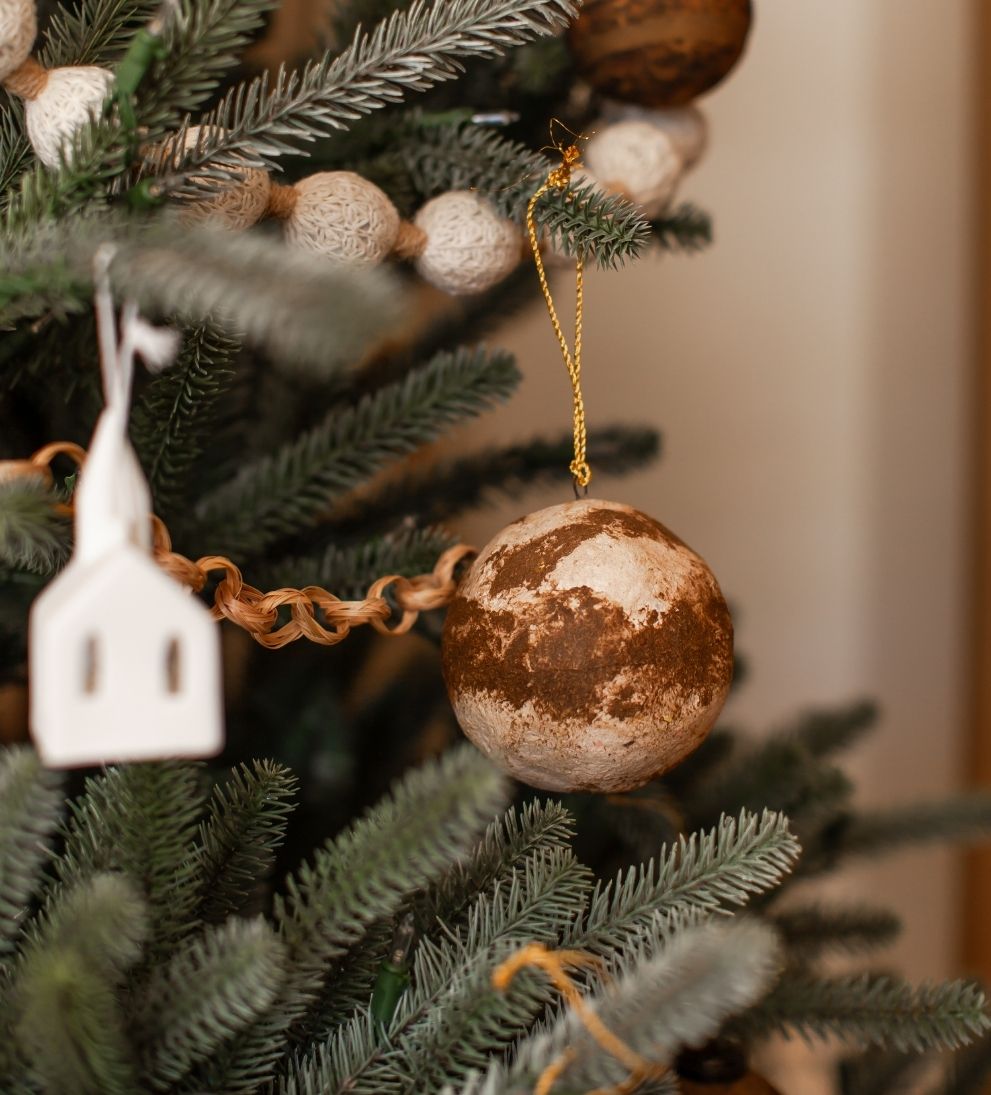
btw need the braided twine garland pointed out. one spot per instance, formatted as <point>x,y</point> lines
<point>315,613</point>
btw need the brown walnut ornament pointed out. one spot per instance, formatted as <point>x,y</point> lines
<point>719,1068</point>
<point>588,649</point>
<point>659,52</point>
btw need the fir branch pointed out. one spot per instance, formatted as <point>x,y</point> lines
<point>826,732</point>
<point>349,571</point>
<point>411,51</point>
<point>780,774</point>
<point>277,495</point>
<point>810,931</point>
<point>140,820</point>
<point>70,1026</point>
<point>33,536</point>
<point>656,1003</point>
<point>204,42</point>
<point>451,1020</point>
<point>93,32</point>
<point>215,985</point>
<point>502,850</point>
<point>172,422</point>
<point>600,227</point>
<point>361,878</point>
<point>684,228</point>
<point>245,827</point>
<point>872,1009</point>
<point>30,804</point>
<point>962,818</point>
<point>15,150</point>
<point>739,858</point>
<point>443,490</point>
<point>303,310</point>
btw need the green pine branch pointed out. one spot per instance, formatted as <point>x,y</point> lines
<point>93,32</point>
<point>349,571</point>
<point>656,1003</point>
<point>204,42</point>
<point>740,858</point>
<point>275,496</point>
<point>212,987</point>
<point>33,536</point>
<point>140,820</point>
<point>411,51</point>
<point>30,805</point>
<point>69,1021</point>
<point>244,828</point>
<point>872,1009</point>
<point>173,421</point>
<point>361,878</point>
<point>684,228</point>
<point>452,1020</point>
<point>810,931</point>
<point>445,489</point>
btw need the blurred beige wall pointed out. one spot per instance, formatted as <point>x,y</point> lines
<point>810,373</point>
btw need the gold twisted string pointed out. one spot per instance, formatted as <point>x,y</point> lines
<point>314,613</point>
<point>556,964</point>
<point>560,179</point>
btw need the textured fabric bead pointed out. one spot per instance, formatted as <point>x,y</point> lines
<point>233,205</point>
<point>639,159</point>
<point>685,125</point>
<point>470,247</point>
<point>18,29</point>
<point>343,216</point>
<point>71,97</point>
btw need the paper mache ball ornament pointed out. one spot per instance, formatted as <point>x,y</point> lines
<point>588,649</point>
<point>468,246</point>
<point>659,52</point>
<point>18,29</point>
<point>638,160</point>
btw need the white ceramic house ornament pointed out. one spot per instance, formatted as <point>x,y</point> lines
<point>125,663</point>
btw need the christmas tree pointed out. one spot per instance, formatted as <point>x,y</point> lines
<point>341,917</point>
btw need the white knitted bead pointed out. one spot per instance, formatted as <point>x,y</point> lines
<point>343,216</point>
<point>70,98</point>
<point>234,205</point>
<point>685,125</point>
<point>469,247</point>
<point>638,158</point>
<point>18,28</point>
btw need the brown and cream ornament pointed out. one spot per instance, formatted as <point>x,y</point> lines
<point>588,649</point>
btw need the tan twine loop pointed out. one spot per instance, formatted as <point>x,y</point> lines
<point>410,241</point>
<point>27,81</point>
<point>281,201</point>
<point>556,964</point>
<point>315,613</point>
<point>559,178</point>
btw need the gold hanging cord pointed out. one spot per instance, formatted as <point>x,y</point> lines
<point>560,179</point>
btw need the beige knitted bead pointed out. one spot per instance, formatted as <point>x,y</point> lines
<point>470,247</point>
<point>18,29</point>
<point>236,205</point>
<point>71,97</point>
<point>343,216</point>
<point>685,125</point>
<point>640,160</point>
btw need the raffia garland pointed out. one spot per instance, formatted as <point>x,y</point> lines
<point>315,613</point>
